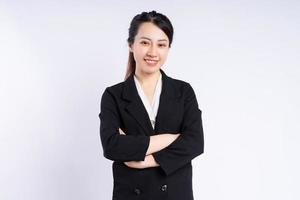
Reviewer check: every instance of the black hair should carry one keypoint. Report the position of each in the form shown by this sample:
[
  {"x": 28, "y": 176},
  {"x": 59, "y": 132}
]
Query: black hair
[{"x": 158, "y": 19}]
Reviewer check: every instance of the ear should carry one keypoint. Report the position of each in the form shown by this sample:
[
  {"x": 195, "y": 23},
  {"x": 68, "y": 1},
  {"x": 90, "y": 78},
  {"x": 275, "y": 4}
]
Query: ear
[{"x": 130, "y": 47}]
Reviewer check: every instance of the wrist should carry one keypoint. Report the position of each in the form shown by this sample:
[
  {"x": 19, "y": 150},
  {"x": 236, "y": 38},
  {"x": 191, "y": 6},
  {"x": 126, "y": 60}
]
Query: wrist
[{"x": 150, "y": 161}]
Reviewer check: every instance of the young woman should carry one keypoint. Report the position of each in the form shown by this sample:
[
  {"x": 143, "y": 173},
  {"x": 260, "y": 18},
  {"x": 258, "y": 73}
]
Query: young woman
[{"x": 150, "y": 124}]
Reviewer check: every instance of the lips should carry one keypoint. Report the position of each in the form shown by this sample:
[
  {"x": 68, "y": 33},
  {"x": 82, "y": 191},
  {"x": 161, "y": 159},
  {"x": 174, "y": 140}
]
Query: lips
[{"x": 151, "y": 62}]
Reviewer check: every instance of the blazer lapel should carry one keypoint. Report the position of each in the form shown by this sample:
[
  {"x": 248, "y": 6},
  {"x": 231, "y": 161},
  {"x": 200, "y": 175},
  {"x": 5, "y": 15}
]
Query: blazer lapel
[{"x": 137, "y": 109}]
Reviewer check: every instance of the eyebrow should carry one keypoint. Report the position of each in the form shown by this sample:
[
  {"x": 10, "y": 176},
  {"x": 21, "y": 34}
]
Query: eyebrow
[{"x": 150, "y": 39}]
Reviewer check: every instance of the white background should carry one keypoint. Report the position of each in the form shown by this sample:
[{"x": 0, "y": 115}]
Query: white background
[{"x": 241, "y": 58}]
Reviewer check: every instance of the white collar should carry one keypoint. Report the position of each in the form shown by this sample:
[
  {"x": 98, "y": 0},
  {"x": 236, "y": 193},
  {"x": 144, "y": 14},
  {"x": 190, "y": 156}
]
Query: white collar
[{"x": 153, "y": 108}]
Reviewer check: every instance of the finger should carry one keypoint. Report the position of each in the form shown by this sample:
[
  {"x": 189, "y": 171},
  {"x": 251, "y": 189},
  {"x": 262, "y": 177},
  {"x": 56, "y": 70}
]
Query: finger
[{"x": 121, "y": 132}]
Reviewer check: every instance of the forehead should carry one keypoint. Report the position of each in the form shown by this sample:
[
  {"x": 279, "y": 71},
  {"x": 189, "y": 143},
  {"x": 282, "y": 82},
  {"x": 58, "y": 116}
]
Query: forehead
[{"x": 148, "y": 30}]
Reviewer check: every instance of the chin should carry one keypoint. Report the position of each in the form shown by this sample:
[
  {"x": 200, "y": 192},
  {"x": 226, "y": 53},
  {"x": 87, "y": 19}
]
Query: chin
[{"x": 151, "y": 71}]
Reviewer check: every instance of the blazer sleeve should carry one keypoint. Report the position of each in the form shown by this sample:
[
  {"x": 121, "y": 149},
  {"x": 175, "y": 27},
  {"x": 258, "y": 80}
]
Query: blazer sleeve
[
  {"x": 191, "y": 141},
  {"x": 117, "y": 147}
]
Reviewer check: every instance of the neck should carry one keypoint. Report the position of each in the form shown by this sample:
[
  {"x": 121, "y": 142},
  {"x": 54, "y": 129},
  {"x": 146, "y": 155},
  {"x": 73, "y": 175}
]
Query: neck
[{"x": 147, "y": 79}]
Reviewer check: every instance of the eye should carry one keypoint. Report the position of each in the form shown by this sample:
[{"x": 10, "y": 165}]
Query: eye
[
  {"x": 144, "y": 43},
  {"x": 162, "y": 45}
]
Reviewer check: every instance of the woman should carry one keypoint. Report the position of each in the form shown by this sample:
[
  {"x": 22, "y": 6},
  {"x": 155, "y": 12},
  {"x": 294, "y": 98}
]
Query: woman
[{"x": 150, "y": 124}]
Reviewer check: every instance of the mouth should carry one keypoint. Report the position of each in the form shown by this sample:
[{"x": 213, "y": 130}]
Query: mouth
[{"x": 151, "y": 62}]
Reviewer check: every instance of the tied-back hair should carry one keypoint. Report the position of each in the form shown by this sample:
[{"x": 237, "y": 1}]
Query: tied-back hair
[{"x": 158, "y": 19}]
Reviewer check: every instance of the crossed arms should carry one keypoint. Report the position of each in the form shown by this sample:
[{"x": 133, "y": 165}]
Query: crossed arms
[
  {"x": 168, "y": 151},
  {"x": 156, "y": 143}
]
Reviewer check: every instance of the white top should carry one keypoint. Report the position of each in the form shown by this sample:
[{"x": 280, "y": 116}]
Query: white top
[{"x": 153, "y": 108}]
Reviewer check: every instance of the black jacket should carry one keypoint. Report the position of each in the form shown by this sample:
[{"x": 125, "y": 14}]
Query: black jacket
[{"x": 178, "y": 112}]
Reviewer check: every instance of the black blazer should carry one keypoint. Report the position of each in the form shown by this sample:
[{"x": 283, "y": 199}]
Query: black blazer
[{"x": 178, "y": 112}]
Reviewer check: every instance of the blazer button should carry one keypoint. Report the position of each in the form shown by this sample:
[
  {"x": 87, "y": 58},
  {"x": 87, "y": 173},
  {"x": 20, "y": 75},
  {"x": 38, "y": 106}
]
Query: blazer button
[
  {"x": 164, "y": 188},
  {"x": 137, "y": 191}
]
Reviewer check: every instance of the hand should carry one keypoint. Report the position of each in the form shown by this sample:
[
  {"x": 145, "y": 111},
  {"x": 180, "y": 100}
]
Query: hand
[
  {"x": 121, "y": 132},
  {"x": 176, "y": 135},
  {"x": 148, "y": 162},
  {"x": 135, "y": 164},
  {"x": 173, "y": 136}
]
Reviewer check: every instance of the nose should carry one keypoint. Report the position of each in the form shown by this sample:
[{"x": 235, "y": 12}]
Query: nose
[{"x": 152, "y": 51}]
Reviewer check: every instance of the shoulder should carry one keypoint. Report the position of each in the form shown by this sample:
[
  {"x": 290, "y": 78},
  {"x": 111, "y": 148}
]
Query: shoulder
[
  {"x": 115, "y": 88},
  {"x": 186, "y": 91},
  {"x": 112, "y": 92},
  {"x": 183, "y": 86},
  {"x": 179, "y": 82}
]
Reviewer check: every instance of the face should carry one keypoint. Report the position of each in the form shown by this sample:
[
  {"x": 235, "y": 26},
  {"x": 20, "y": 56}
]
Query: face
[{"x": 150, "y": 48}]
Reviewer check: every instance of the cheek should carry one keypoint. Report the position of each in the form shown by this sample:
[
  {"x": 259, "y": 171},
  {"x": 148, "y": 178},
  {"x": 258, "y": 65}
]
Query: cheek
[
  {"x": 137, "y": 55},
  {"x": 140, "y": 53},
  {"x": 164, "y": 54}
]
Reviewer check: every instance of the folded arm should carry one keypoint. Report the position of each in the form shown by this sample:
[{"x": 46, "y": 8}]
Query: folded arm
[
  {"x": 183, "y": 149},
  {"x": 191, "y": 141},
  {"x": 130, "y": 147},
  {"x": 115, "y": 146},
  {"x": 157, "y": 143}
]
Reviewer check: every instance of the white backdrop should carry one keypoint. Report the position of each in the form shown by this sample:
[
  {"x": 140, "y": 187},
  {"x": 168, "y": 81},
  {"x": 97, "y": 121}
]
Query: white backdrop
[{"x": 57, "y": 57}]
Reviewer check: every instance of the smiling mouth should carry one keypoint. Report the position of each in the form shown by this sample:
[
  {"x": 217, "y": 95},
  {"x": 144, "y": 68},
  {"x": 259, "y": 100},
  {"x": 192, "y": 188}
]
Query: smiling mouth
[{"x": 152, "y": 62}]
